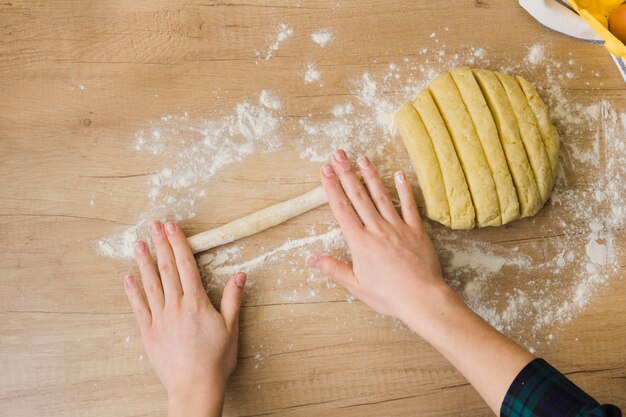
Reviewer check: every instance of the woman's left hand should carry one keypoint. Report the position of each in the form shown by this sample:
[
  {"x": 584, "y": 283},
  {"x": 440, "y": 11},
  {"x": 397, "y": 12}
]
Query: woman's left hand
[{"x": 191, "y": 345}]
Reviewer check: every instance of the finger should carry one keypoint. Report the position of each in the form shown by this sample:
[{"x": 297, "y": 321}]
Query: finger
[
  {"x": 166, "y": 263},
  {"x": 409, "y": 208},
  {"x": 335, "y": 270},
  {"x": 231, "y": 300},
  {"x": 149, "y": 276},
  {"x": 339, "y": 204},
  {"x": 137, "y": 303},
  {"x": 377, "y": 190},
  {"x": 354, "y": 189},
  {"x": 185, "y": 261}
]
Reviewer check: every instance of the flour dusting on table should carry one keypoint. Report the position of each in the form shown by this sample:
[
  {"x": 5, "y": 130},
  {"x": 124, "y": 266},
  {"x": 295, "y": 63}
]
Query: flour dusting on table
[
  {"x": 530, "y": 298},
  {"x": 195, "y": 150},
  {"x": 285, "y": 32}
]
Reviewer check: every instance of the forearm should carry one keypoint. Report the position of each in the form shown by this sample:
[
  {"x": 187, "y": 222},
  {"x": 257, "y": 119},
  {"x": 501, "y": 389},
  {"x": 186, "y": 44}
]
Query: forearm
[
  {"x": 489, "y": 360},
  {"x": 197, "y": 403}
]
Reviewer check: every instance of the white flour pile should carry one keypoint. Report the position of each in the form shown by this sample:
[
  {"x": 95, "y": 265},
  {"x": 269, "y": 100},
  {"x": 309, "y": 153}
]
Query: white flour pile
[
  {"x": 311, "y": 75},
  {"x": 322, "y": 37},
  {"x": 526, "y": 297},
  {"x": 535, "y": 54}
]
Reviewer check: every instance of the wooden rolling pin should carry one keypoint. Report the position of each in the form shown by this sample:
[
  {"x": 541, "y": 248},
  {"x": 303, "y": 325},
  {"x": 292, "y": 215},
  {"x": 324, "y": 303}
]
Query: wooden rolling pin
[{"x": 257, "y": 222}]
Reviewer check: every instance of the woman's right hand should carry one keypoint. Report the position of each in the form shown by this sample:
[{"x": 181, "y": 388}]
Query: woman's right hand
[
  {"x": 396, "y": 272},
  {"x": 395, "y": 267}
]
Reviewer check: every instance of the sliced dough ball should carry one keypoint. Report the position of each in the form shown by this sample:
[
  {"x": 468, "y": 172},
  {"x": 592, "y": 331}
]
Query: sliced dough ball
[
  {"x": 483, "y": 146},
  {"x": 424, "y": 159},
  {"x": 469, "y": 150},
  {"x": 490, "y": 141},
  {"x": 459, "y": 199},
  {"x": 548, "y": 131},
  {"x": 529, "y": 132},
  {"x": 502, "y": 112}
]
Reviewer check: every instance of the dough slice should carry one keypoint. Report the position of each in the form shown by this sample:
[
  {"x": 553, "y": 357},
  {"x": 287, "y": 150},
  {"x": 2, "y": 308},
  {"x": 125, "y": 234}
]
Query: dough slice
[
  {"x": 425, "y": 161},
  {"x": 459, "y": 198},
  {"x": 490, "y": 141},
  {"x": 469, "y": 150},
  {"x": 533, "y": 143},
  {"x": 522, "y": 174},
  {"x": 548, "y": 132}
]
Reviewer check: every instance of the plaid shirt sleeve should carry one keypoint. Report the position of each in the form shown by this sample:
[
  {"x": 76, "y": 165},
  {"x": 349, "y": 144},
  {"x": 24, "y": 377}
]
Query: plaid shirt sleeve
[{"x": 541, "y": 390}]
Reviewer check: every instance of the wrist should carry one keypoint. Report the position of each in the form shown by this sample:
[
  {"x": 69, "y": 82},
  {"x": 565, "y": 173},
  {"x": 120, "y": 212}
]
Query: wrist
[
  {"x": 205, "y": 400},
  {"x": 436, "y": 305}
]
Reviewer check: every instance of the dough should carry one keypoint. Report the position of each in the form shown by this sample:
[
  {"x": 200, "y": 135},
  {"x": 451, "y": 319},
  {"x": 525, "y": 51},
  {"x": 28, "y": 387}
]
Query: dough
[
  {"x": 422, "y": 153},
  {"x": 502, "y": 112},
  {"x": 488, "y": 135},
  {"x": 459, "y": 199},
  {"x": 469, "y": 150},
  {"x": 258, "y": 221},
  {"x": 533, "y": 143},
  {"x": 548, "y": 132},
  {"x": 483, "y": 147}
]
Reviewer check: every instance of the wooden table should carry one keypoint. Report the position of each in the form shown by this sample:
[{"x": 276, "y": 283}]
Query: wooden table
[{"x": 79, "y": 78}]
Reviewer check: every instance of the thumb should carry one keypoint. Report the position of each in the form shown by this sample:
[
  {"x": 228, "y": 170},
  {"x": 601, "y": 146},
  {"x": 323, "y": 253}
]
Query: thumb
[
  {"x": 231, "y": 299},
  {"x": 335, "y": 269}
]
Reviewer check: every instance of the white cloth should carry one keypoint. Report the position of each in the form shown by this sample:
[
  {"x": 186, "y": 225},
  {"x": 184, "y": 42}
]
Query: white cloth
[{"x": 558, "y": 16}]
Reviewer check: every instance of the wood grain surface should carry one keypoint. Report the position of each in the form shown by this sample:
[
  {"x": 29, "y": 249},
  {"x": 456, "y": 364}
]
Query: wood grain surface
[{"x": 68, "y": 342}]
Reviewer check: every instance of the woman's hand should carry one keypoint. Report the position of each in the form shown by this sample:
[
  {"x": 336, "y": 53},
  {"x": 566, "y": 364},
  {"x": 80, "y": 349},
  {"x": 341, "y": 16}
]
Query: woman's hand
[
  {"x": 396, "y": 272},
  {"x": 191, "y": 346},
  {"x": 394, "y": 262}
]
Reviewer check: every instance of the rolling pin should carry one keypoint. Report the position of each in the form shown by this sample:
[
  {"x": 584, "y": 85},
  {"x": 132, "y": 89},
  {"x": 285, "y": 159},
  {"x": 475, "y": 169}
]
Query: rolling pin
[{"x": 257, "y": 222}]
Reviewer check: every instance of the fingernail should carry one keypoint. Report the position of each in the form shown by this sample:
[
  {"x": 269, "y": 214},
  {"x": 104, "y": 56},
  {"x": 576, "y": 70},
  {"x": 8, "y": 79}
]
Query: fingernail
[
  {"x": 312, "y": 259},
  {"x": 129, "y": 281},
  {"x": 240, "y": 279},
  {"x": 140, "y": 247},
  {"x": 170, "y": 228},
  {"x": 400, "y": 177},
  {"x": 363, "y": 162},
  {"x": 340, "y": 155},
  {"x": 155, "y": 226},
  {"x": 328, "y": 171}
]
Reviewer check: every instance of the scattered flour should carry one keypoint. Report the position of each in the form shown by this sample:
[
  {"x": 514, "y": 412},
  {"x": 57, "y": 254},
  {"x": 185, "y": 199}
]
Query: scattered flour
[
  {"x": 479, "y": 53},
  {"x": 269, "y": 101},
  {"x": 361, "y": 127},
  {"x": 322, "y": 37},
  {"x": 289, "y": 245},
  {"x": 597, "y": 252},
  {"x": 342, "y": 110},
  {"x": 311, "y": 74},
  {"x": 529, "y": 298},
  {"x": 369, "y": 95},
  {"x": 194, "y": 150},
  {"x": 219, "y": 265},
  {"x": 535, "y": 54},
  {"x": 284, "y": 32}
]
